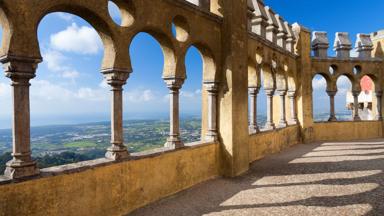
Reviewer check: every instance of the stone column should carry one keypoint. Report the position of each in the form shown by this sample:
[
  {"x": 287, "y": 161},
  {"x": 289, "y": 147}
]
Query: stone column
[
  {"x": 21, "y": 71},
  {"x": 356, "y": 116},
  {"x": 292, "y": 99},
  {"x": 269, "y": 124},
  {"x": 253, "y": 92},
  {"x": 331, "y": 95},
  {"x": 212, "y": 89},
  {"x": 174, "y": 85},
  {"x": 283, "y": 120},
  {"x": 379, "y": 95},
  {"x": 116, "y": 78}
]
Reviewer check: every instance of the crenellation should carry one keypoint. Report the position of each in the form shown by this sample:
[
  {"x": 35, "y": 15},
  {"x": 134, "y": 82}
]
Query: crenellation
[
  {"x": 364, "y": 46},
  {"x": 272, "y": 27},
  {"x": 259, "y": 19},
  {"x": 342, "y": 45},
  {"x": 282, "y": 33},
  {"x": 291, "y": 40},
  {"x": 320, "y": 44}
]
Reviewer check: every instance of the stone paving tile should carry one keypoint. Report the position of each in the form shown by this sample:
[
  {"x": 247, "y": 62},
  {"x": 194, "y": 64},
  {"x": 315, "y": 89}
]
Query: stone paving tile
[{"x": 314, "y": 179}]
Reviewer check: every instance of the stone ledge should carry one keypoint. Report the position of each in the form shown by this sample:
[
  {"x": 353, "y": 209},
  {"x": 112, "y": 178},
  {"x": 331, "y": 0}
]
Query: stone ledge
[{"x": 92, "y": 164}]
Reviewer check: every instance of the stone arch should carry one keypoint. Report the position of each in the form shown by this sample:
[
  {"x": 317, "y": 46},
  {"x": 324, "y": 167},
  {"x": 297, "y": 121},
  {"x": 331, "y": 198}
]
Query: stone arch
[
  {"x": 209, "y": 62},
  {"x": 268, "y": 76},
  {"x": 330, "y": 84},
  {"x": 170, "y": 65},
  {"x": 6, "y": 32},
  {"x": 355, "y": 85},
  {"x": 99, "y": 23},
  {"x": 254, "y": 79}
]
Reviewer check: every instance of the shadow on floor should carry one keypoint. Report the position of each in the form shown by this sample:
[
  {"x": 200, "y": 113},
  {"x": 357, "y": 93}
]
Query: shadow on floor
[{"x": 316, "y": 179}]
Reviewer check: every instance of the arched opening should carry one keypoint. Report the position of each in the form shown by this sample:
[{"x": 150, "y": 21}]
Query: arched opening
[
  {"x": 320, "y": 99},
  {"x": 262, "y": 103},
  {"x": 357, "y": 70},
  {"x": 146, "y": 97},
  {"x": 121, "y": 12},
  {"x": 343, "y": 107},
  {"x": 180, "y": 28},
  {"x": 69, "y": 99},
  {"x": 5, "y": 116},
  {"x": 191, "y": 97},
  {"x": 367, "y": 100},
  {"x": 332, "y": 69}
]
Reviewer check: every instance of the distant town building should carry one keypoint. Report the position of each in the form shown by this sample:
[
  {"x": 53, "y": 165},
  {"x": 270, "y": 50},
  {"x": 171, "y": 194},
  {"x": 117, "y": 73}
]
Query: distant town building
[{"x": 365, "y": 99}]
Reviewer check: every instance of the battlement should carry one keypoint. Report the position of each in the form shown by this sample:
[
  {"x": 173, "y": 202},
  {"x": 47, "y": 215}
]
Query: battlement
[{"x": 342, "y": 45}]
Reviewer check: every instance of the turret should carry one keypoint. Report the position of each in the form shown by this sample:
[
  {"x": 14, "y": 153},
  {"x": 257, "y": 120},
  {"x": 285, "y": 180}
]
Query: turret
[
  {"x": 272, "y": 27},
  {"x": 364, "y": 46}
]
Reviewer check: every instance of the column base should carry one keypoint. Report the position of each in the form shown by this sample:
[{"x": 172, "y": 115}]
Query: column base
[
  {"x": 117, "y": 153},
  {"x": 270, "y": 126},
  {"x": 254, "y": 129},
  {"x": 379, "y": 118},
  {"x": 356, "y": 118},
  {"x": 17, "y": 169},
  {"x": 211, "y": 137},
  {"x": 332, "y": 119},
  {"x": 283, "y": 124},
  {"x": 174, "y": 143},
  {"x": 293, "y": 122}
]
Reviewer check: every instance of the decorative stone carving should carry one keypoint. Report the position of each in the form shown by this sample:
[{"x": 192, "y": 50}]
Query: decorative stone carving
[
  {"x": 342, "y": 45},
  {"x": 364, "y": 46},
  {"x": 320, "y": 44}
]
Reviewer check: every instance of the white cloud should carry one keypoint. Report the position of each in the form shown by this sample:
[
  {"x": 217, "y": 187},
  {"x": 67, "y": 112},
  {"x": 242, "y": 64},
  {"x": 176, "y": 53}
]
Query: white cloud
[
  {"x": 80, "y": 40},
  {"x": 191, "y": 94},
  {"x": 5, "y": 90},
  {"x": 57, "y": 62},
  {"x": 343, "y": 85},
  {"x": 319, "y": 83},
  {"x": 72, "y": 74},
  {"x": 140, "y": 96},
  {"x": 65, "y": 16}
]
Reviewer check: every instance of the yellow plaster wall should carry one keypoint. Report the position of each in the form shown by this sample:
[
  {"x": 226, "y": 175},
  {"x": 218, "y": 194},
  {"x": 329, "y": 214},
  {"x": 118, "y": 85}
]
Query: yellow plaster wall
[
  {"x": 112, "y": 189},
  {"x": 270, "y": 142},
  {"x": 345, "y": 131}
]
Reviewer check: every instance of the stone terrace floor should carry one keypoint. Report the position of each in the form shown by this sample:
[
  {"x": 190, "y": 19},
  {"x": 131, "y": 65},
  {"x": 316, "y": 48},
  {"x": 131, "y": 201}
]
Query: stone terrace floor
[{"x": 343, "y": 178}]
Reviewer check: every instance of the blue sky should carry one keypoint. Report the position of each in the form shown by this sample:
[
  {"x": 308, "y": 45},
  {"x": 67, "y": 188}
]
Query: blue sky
[{"x": 69, "y": 87}]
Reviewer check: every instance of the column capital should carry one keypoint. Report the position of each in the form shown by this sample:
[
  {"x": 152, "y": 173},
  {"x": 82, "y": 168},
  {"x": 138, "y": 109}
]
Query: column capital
[
  {"x": 253, "y": 90},
  {"x": 174, "y": 83},
  {"x": 116, "y": 77},
  {"x": 269, "y": 91},
  {"x": 282, "y": 92},
  {"x": 211, "y": 86},
  {"x": 19, "y": 67},
  {"x": 291, "y": 93},
  {"x": 331, "y": 93}
]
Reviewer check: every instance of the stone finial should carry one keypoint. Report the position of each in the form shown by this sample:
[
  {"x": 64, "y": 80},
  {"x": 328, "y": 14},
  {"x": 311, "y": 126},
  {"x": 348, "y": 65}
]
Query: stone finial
[
  {"x": 272, "y": 27},
  {"x": 364, "y": 46},
  {"x": 259, "y": 19},
  {"x": 291, "y": 40},
  {"x": 282, "y": 32},
  {"x": 342, "y": 45},
  {"x": 320, "y": 44}
]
